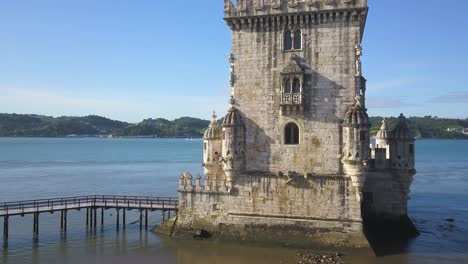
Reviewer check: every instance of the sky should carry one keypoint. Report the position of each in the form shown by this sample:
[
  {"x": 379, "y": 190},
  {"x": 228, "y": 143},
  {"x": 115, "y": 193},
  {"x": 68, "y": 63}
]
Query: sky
[{"x": 135, "y": 59}]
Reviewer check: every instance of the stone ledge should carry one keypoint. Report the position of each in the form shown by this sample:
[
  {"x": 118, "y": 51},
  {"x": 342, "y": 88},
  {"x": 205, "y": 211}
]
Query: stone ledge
[{"x": 291, "y": 217}]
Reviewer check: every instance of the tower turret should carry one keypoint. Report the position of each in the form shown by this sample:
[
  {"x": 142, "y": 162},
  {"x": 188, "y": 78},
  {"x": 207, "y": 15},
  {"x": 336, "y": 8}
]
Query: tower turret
[
  {"x": 212, "y": 151},
  {"x": 233, "y": 144},
  {"x": 382, "y": 139},
  {"x": 402, "y": 146},
  {"x": 356, "y": 141}
]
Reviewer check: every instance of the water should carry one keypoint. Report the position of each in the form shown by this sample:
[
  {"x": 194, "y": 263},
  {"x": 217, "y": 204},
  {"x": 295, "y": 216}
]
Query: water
[{"x": 44, "y": 168}]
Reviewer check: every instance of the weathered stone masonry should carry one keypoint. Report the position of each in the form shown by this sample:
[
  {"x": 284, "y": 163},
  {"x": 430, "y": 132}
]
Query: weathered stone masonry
[{"x": 291, "y": 161}]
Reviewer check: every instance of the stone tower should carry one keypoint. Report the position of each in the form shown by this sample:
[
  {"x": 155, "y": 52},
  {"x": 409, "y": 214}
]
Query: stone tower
[{"x": 295, "y": 145}]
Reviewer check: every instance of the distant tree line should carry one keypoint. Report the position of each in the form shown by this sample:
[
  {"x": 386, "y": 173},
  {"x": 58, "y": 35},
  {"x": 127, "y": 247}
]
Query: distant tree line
[
  {"x": 427, "y": 127},
  {"x": 15, "y": 125}
]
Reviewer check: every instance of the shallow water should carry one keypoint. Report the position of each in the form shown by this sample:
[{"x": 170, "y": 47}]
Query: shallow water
[{"x": 44, "y": 168}]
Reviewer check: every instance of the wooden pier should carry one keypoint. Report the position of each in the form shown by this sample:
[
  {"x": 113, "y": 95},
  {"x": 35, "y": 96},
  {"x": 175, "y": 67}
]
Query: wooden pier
[{"x": 92, "y": 204}]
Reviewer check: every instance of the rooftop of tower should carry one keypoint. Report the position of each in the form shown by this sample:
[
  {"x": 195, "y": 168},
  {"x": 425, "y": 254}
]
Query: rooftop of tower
[{"x": 251, "y": 8}]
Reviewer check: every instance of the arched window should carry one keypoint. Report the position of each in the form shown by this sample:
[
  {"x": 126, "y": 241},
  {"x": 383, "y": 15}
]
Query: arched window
[
  {"x": 291, "y": 134},
  {"x": 297, "y": 39},
  {"x": 296, "y": 86},
  {"x": 288, "y": 45},
  {"x": 287, "y": 87}
]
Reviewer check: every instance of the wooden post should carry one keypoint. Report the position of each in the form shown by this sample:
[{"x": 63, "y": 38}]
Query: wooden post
[
  {"x": 164, "y": 215},
  {"x": 102, "y": 217},
  {"x": 91, "y": 218},
  {"x": 146, "y": 219},
  {"x": 36, "y": 226},
  {"x": 141, "y": 219},
  {"x": 95, "y": 218},
  {"x": 5, "y": 229},
  {"x": 118, "y": 218},
  {"x": 65, "y": 220},
  {"x": 124, "y": 219},
  {"x": 61, "y": 220},
  {"x": 87, "y": 217}
]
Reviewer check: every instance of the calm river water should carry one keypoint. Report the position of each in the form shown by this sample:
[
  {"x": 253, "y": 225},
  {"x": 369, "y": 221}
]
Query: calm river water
[{"x": 45, "y": 168}]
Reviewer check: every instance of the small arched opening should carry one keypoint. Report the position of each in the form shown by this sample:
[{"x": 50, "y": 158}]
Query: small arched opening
[{"x": 291, "y": 134}]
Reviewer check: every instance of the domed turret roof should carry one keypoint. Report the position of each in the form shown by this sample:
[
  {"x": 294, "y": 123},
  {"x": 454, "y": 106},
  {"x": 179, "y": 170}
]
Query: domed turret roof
[
  {"x": 383, "y": 133},
  {"x": 402, "y": 131},
  {"x": 233, "y": 117},
  {"x": 214, "y": 130},
  {"x": 357, "y": 115}
]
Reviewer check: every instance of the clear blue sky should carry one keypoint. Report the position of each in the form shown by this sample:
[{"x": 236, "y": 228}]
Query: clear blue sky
[{"x": 133, "y": 59}]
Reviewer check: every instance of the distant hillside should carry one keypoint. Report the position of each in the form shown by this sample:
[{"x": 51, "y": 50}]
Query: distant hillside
[
  {"x": 182, "y": 127},
  {"x": 428, "y": 127},
  {"x": 46, "y": 126},
  {"x": 14, "y": 125}
]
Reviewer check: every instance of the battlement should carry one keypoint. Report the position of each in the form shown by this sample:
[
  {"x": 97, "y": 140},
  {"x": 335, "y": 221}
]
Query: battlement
[
  {"x": 210, "y": 186},
  {"x": 249, "y": 8}
]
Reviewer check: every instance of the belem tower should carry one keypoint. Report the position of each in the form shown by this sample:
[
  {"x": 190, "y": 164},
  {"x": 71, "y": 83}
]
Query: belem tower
[{"x": 292, "y": 161}]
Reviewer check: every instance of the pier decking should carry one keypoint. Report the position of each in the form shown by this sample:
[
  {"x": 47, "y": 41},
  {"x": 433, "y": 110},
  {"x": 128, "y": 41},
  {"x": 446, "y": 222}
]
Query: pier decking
[{"x": 91, "y": 204}]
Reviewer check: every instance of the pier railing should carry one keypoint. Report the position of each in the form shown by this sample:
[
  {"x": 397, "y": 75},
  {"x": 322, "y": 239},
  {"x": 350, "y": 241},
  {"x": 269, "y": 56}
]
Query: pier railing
[
  {"x": 77, "y": 202},
  {"x": 91, "y": 203}
]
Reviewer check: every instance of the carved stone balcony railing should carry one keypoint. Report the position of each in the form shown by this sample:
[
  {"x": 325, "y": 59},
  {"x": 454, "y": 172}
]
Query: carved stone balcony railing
[
  {"x": 292, "y": 103},
  {"x": 291, "y": 99}
]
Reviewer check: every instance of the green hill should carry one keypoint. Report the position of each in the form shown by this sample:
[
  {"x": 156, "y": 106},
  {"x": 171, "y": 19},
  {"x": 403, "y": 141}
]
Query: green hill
[
  {"x": 428, "y": 126},
  {"x": 14, "y": 125}
]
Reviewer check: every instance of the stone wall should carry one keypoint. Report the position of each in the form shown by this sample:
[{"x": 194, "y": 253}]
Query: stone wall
[
  {"x": 321, "y": 210},
  {"x": 386, "y": 193},
  {"x": 329, "y": 90}
]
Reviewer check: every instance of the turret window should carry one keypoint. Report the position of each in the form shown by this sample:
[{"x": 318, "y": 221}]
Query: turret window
[
  {"x": 292, "y": 40},
  {"x": 291, "y": 134}
]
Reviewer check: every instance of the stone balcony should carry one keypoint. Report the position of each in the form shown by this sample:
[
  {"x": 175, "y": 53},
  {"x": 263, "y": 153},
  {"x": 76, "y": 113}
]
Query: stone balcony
[{"x": 292, "y": 103}]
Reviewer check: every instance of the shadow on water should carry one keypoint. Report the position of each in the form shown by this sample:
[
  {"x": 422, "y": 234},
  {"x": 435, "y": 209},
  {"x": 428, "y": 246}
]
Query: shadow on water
[
  {"x": 438, "y": 225},
  {"x": 389, "y": 237}
]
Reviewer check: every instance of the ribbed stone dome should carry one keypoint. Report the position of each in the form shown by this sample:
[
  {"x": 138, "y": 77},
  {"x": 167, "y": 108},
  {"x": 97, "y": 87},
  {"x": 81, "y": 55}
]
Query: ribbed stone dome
[
  {"x": 357, "y": 115},
  {"x": 233, "y": 118},
  {"x": 292, "y": 68},
  {"x": 383, "y": 133},
  {"x": 401, "y": 130},
  {"x": 214, "y": 130}
]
